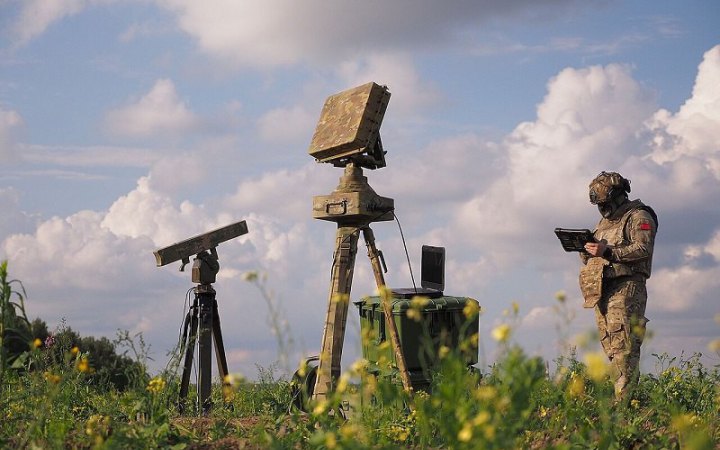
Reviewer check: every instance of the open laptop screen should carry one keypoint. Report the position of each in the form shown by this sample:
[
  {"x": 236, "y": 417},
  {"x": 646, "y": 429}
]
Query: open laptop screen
[{"x": 433, "y": 268}]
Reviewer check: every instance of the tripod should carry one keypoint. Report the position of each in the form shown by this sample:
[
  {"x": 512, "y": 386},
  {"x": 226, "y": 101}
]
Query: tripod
[
  {"x": 202, "y": 325},
  {"x": 353, "y": 205}
]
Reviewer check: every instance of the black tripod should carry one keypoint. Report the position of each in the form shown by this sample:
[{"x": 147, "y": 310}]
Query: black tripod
[{"x": 202, "y": 325}]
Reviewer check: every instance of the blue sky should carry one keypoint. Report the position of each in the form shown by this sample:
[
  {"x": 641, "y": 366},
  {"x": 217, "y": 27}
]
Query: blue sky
[{"x": 129, "y": 125}]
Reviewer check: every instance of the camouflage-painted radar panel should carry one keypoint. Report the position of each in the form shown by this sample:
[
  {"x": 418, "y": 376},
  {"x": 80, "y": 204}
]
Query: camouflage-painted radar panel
[{"x": 349, "y": 123}]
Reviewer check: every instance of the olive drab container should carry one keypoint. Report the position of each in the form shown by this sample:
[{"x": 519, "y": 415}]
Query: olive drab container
[{"x": 440, "y": 322}]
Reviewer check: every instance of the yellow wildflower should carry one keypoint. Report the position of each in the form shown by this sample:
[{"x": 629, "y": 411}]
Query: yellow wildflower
[
  {"x": 683, "y": 422},
  {"x": 576, "y": 388},
  {"x": 156, "y": 385},
  {"x": 302, "y": 368},
  {"x": 52, "y": 378},
  {"x": 37, "y": 343},
  {"x": 359, "y": 366},
  {"x": 414, "y": 314},
  {"x": 400, "y": 433},
  {"x": 638, "y": 331},
  {"x": 83, "y": 365},
  {"x": 473, "y": 340},
  {"x": 501, "y": 333},
  {"x": 597, "y": 369},
  {"x": 98, "y": 426},
  {"x": 443, "y": 351},
  {"x": 74, "y": 351},
  {"x": 543, "y": 412},
  {"x": 385, "y": 292},
  {"x": 560, "y": 296},
  {"x": 471, "y": 309},
  {"x": 419, "y": 302},
  {"x": 342, "y": 383},
  {"x": 349, "y": 430},
  {"x": 635, "y": 403},
  {"x": 466, "y": 433},
  {"x": 515, "y": 308},
  {"x": 368, "y": 335},
  {"x": 330, "y": 440},
  {"x": 484, "y": 393},
  {"x": 370, "y": 385},
  {"x": 714, "y": 346},
  {"x": 489, "y": 432},
  {"x": 321, "y": 407},
  {"x": 482, "y": 418}
]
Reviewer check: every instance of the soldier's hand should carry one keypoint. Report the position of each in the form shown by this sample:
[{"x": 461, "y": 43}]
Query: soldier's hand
[{"x": 595, "y": 248}]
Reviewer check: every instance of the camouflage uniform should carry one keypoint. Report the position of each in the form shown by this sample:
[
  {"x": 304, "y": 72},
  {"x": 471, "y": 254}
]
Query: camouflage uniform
[{"x": 614, "y": 284}]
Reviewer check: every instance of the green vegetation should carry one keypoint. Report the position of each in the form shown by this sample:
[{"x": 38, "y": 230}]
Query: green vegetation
[{"x": 55, "y": 399}]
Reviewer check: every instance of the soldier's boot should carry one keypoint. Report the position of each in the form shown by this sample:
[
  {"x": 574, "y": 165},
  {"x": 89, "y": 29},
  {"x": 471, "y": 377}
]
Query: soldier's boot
[{"x": 627, "y": 370}]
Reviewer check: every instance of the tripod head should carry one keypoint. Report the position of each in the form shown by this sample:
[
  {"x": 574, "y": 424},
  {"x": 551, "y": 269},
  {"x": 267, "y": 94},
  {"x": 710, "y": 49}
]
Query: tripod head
[{"x": 205, "y": 267}]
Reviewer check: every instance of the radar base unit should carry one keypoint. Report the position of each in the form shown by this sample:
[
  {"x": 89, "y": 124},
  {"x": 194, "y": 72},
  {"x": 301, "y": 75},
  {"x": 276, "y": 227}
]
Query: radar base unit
[{"x": 353, "y": 201}]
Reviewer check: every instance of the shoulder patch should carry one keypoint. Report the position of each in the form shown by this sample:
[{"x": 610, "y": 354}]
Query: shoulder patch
[{"x": 645, "y": 226}]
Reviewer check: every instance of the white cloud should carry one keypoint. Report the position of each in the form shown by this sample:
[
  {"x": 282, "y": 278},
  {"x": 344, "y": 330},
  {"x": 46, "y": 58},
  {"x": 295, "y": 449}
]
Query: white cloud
[
  {"x": 96, "y": 269},
  {"x": 397, "y": 70},
  {"x": 587, "y": 122},
  {"x": 286, "y": 125},
  {"x": 92, "y": 156},
  {"x": 158, "y": 111},
  {"x": 689, "y": 290},
  {"x": 693, "y": 131},
  {"x": 37, "y": 15},
  {"x": 75, "y": 252},
  {"x": 12, "y": 219},
  {"x": 171, "y": 173},
  {"x": 144, "y": 212},
  {"x": 284, "y": 194},
  {"x": 10, "y": 123},
  {"x": 283, "y": 32}
]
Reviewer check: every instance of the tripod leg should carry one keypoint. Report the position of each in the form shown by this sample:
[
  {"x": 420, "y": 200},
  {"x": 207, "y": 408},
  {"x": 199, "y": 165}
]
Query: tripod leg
[
  {"x": 336, "y": 319},
  {"x": 219, "y": 346},
  {"x": 385, "y": 298},
  {"x": 192, "y": 318},
  {"x": 207, "y": 297}
]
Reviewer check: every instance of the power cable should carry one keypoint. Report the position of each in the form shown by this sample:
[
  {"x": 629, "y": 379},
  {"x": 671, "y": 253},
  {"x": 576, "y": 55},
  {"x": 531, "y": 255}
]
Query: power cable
[{"x": 407, "y": 255}]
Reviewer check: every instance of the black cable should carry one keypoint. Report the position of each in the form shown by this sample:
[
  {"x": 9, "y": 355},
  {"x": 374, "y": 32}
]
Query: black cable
[
  {"x": 407, "y": 255},
  {"x": 180, "y": 346}
]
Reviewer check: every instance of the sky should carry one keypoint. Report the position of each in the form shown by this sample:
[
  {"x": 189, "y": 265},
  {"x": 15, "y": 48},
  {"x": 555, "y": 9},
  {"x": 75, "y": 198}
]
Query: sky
[{"x": 128, "y": 125}]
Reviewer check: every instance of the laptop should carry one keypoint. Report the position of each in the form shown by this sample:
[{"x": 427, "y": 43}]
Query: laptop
[{"x": 432, "y": 275}]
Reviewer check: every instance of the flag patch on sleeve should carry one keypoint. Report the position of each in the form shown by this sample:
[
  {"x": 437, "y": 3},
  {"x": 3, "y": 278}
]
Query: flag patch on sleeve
[{"x": 645, "y": 226}]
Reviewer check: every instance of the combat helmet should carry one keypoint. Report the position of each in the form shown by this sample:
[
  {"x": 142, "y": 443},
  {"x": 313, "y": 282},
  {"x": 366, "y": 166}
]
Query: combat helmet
[{"x": 608, "y": 191}]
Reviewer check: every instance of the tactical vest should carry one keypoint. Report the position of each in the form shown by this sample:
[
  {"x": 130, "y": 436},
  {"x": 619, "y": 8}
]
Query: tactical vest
[{"x": 615, "y": 232}]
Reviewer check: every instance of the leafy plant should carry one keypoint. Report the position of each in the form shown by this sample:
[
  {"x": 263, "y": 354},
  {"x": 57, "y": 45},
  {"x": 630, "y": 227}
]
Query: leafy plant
[{"x": 15, "y": 335}]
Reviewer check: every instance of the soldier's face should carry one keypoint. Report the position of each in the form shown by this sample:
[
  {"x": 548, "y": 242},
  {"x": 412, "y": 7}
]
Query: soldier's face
[{"x": 606, "y": 209}]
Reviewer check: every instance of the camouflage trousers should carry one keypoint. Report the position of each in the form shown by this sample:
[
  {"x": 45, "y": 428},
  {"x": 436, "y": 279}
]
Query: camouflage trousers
[{"x": 620, "y": 316}]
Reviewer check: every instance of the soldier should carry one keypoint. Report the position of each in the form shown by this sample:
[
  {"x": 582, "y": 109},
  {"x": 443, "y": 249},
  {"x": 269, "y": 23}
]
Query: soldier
[{"x": 615, "y": 268}]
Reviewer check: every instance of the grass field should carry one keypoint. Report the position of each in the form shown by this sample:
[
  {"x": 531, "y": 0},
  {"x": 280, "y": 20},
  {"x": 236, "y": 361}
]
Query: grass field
[{"x": 51, "y": 400}]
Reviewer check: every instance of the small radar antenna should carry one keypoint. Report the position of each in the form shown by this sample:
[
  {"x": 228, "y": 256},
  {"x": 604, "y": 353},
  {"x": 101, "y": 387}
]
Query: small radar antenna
[{"x": 202, "y": 322}]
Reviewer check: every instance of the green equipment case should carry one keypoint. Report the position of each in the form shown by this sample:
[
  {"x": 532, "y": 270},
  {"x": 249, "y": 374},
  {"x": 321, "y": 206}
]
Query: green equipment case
[{"x": 441, "y": 321}]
